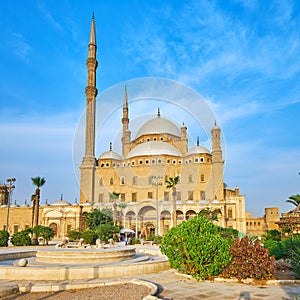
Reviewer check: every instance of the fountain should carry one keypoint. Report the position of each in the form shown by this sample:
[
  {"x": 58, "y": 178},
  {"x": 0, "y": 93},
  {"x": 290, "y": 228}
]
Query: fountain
[{"x": 71, "y": 263}]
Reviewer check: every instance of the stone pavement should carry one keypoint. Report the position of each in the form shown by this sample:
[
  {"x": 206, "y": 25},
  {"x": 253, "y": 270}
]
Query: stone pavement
[{"x": 173, "y": 287}]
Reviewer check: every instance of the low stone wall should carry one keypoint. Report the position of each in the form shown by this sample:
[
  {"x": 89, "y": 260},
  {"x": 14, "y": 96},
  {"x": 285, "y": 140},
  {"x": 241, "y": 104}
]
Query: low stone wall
[{"x": 17, "y": 255}]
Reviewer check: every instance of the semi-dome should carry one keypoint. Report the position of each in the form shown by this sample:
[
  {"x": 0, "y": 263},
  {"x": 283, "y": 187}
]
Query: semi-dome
[
  {"x": 157, "y": 126},
  {"x": 61, "y": 203},
  {"x": 110, "y": 155},
  {"x": 153, "y": 148},
  {"x": 198, "y": 150}
]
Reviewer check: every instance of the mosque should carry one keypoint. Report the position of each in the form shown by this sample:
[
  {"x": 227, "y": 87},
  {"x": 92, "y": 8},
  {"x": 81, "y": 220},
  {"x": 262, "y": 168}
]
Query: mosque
[{"x": 134, "y": 183}]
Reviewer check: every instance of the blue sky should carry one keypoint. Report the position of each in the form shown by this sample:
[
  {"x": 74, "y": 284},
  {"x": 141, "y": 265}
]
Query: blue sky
[{"x": 243, "y": 57}]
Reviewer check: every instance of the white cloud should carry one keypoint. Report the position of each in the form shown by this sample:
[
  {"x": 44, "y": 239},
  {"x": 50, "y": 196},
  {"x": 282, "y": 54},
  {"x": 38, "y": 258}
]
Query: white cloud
[{"x": 20, "y": 46}]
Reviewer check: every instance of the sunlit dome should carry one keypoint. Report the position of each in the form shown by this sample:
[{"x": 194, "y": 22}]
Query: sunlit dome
[
  {"x": 60, "y": 203},
  {"x": 110, "y": 155},
  {"x": 198, "y": 150},
  {"x": 158, "y": 126},
  {"x": 153, "y": 148}
]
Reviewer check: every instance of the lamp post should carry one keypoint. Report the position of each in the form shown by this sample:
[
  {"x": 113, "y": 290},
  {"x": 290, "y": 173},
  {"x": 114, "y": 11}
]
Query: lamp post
[
  {"x": 11, "y": 186},
  {"x": 156, "y": 181}
]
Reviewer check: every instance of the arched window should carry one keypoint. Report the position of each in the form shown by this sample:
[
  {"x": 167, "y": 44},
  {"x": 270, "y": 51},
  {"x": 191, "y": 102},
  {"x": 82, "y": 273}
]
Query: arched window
[
  {"x": 111, "y": 181},
  {"x": 122, "y": 180},
  {"x": 202, "y": 177}
]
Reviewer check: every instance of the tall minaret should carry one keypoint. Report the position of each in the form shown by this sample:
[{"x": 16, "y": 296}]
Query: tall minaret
[
  {"x": 87, "y": 167},
  {"x": 126, "y": 134},
  {"x": 217, "y": 164}
]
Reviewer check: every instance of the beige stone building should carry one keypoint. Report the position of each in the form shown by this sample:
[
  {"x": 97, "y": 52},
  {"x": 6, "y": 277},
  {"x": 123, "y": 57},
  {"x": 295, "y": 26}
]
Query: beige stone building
[
  {"x": 258, "y": 226},
  {"x": 159, "y": 151}
]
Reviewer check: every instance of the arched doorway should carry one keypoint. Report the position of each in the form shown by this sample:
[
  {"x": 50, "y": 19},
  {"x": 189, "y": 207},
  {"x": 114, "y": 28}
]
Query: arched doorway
[
  {"x": 190, "y": 214},
  {"x": 53, "y": 226},
  {"x": 179, "y": 216},
  {"x": 147, "y": 221},
  {"x": 130, "y": 220}
]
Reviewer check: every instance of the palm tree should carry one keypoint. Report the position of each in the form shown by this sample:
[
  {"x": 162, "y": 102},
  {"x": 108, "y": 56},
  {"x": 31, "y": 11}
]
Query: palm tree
[
  {"x": 114, "y": 196},
  {"x": 38, "y": 182},
  {"x": 295, "y": 200},
  {"x": 171, "y": 184}
]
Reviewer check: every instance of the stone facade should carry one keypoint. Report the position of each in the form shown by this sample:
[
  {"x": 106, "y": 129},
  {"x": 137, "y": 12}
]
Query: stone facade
[
  {"x": 258, "y": 226},
  {"x": 159, "y": 151}
]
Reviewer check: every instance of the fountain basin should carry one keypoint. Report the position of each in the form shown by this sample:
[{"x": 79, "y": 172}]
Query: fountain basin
[{"x": 85, "y": 256}]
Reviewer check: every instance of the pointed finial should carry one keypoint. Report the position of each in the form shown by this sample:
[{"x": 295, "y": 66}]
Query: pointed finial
[
  {"x": 158, "y": 113},
  {"x": 125, "y": 98},
  {"x": 46, "y": 202},
  {"x": 93, "y": 32},
  {"x": 76, "y": 200},
  {"x": 61, "y": 196},
  {"x": 25, "y": 202},
  {"x": 215, "y": 122},
  {"x": 198, "y": 143},
  {"x": 15, "y": 202},
  {"x": 93, "y": 16},
  {"x": 110, "y": 146},
  {"x": 182, "y": 123}
]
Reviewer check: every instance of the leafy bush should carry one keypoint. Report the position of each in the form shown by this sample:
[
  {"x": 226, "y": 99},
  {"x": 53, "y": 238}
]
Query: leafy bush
[
  {"x": 21, "y": 238},
  {"x": 4, "y": 236},
  {"x": 106, "y": 231},
  {"x": 195, "y": 247},
  {"x": 89, "y": 237},
  {"x": 228, "y": 233},
  {"x": 249, "y": 260},
  {"x": 134, "y": 241},
  {"x": 44, "y": 232},
  {"x": 295, "y": 260},
  {"x": 275, "y": 248},
  {"x": 74, "y": 235}
]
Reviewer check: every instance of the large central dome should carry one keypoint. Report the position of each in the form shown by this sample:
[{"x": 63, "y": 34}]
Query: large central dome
[{"x": 158, "y": 126}]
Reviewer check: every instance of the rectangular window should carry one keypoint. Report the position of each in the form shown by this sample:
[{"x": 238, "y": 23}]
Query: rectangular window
[
  {"x": 133, "y": 197},
  {"x": 16, "y": 228},
  {"x": 202, "y": 195},
  {"x": 190, "y": 195},
  {"x": 123, "y": 197},
  {"x": 229, "y": 213},
  {"x": 150, "y": 195},
  {"x": 100, "y": 198},
  {"x": 166, "y": 196}
]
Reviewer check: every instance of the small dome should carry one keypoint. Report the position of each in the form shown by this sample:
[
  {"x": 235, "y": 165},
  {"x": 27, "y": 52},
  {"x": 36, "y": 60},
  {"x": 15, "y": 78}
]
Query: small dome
[
  {"x": 110, "y": 155},
  {"x": 60, "y": 203},
  {"x": 158, "y": 126},
  {"x": 153, "y": 148},
  {"x": 198, "y": 150}
]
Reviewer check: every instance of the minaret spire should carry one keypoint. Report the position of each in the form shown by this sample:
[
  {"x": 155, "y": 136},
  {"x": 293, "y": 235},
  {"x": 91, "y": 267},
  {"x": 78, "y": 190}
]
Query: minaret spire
[
  {"x": 89, "y": 161},
  {"x": 126, "y": 134}
]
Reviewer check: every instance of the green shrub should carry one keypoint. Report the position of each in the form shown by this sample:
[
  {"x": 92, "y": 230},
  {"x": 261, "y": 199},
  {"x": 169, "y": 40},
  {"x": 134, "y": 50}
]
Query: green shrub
[
  {"x": 74, "y": 235},
  {"x": 249, "y": 260},
  {"x": 228, "y": 233},
  {"x": 295, "y": 260},
  {"x": 195, "y": 247},
  {"x": 134, "y": 241},
  {"x": 106, "y": 231},
  {"x": 275, "y": 248},
  {"x": 21, "y": 238},
  {"x": 89, "y": 237},
  {"x": 44, "y": 232},
  {"x": 4, "y": 236}
]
